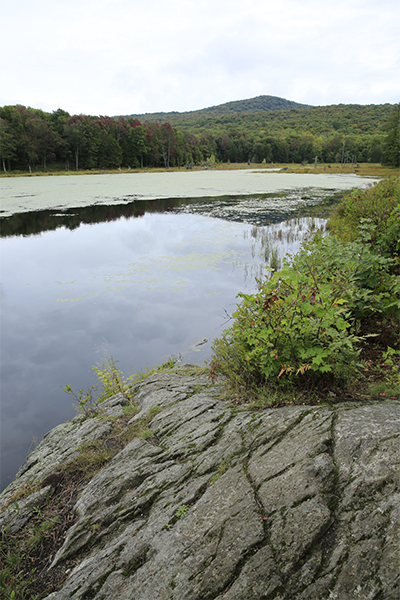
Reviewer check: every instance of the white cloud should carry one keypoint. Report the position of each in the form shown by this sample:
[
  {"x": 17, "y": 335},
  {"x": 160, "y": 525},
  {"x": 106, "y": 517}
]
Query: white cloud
[{"x": 119, "y": 57}]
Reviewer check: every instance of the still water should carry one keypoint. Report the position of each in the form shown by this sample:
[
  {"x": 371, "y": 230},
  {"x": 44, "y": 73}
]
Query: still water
[{"x": 141, "y": 279}]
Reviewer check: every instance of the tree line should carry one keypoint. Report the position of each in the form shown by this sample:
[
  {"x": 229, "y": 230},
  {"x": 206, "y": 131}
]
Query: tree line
[{"x": 32, "y": 139}]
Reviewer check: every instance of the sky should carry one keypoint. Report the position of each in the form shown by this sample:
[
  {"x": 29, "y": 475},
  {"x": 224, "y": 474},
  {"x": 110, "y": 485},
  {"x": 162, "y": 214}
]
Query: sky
[{"x": 121, "y": 57}]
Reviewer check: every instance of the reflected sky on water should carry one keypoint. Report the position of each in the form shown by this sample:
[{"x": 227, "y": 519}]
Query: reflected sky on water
[
  {"x": 142, "y": 285},
  {"x": 150, "y": 286}
]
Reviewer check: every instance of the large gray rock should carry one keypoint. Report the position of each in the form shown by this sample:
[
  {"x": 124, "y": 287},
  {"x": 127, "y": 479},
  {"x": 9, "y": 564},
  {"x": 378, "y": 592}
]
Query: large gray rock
[{"x": 295, "y": 503}]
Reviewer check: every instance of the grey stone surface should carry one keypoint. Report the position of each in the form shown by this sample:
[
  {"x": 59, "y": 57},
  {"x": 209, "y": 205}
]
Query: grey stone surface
[
  {"x": 18, "y": 513},
  {"x": 295, "y": 503}
]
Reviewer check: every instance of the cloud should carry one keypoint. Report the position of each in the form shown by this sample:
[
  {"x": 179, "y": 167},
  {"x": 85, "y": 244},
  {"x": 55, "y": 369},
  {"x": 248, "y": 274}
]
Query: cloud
[{"x": 121, "y": 57}]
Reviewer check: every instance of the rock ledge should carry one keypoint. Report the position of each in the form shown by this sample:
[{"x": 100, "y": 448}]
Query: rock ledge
[{"x": 295, "y": 503}]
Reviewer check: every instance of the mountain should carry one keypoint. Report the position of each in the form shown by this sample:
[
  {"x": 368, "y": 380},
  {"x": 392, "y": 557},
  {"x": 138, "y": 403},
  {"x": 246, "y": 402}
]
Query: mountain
[{"x": 237, "y": 107}]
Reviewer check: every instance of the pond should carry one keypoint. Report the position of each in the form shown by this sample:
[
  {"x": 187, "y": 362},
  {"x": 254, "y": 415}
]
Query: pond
[{"x": 141, "y": 279}]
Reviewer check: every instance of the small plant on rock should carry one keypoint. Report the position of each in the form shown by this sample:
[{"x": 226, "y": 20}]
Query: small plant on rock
[
  {"x": 113, "y": 382},
  {"x": 111, "y": 377},
  {"x": 88, "y": 404},
  {"x": 181, "y": 511}
]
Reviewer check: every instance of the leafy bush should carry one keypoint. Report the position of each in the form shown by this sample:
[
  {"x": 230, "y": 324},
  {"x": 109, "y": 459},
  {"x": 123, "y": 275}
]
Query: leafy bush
[
  {"x": 380, "y": 205},
  {"x": 295, "y": 330},
  {"x": 300, "y": 328},
  {"x": 370, "y": 222},
  {"x": 375, "y": 285}
]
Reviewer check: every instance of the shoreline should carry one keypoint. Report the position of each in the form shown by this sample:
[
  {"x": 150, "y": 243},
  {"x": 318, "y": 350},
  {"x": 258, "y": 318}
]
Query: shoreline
[{"x": 363, "y": 169}]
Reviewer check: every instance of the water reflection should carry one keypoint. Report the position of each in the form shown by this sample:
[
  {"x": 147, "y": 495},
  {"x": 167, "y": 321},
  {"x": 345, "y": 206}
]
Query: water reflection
[
  {"x": 261, "y": 209},
  {"x": 273, "y": 243},
  {"x": 151, "y": 286},
  {"x": 150, "y": 283},
  {"x": 34, "y": 222}
]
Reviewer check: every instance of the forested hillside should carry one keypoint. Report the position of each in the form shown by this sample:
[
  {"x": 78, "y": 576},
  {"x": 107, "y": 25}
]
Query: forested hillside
[
  {"x": 31, "y": 139},
  {"x": 317, "y": 120},
  {"x": 251, "y": 105}
]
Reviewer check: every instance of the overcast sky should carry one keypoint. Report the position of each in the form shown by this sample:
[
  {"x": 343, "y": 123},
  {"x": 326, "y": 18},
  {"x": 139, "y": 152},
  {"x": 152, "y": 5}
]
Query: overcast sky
[{"x": 111, "y": 57}]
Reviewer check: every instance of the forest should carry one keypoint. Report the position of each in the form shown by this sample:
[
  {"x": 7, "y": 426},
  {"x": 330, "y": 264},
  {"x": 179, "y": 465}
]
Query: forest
[
  {"x": 248, "y": 131},
  {"x": 251, "y": 105}
]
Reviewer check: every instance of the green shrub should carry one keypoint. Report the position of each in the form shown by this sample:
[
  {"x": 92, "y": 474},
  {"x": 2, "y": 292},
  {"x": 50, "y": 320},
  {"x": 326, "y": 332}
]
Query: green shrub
[
  {"x": 381, "y": 206},
  {"x": 375, "y": 284},
  {"x": 300, "y": 328},
  {"x": 294, "y": 331}
]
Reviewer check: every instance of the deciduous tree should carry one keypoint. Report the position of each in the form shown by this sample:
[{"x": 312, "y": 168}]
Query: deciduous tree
[{"x": 392, "y": 143}]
